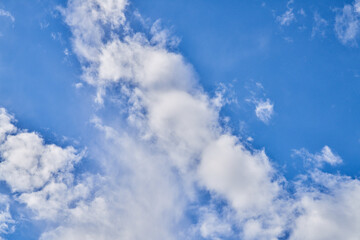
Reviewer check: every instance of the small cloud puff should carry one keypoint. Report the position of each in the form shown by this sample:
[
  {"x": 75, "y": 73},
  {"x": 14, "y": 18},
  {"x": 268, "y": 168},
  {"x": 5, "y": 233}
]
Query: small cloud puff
[
  {"x": 288, "y": 17},
  {"x": 264, "y": 110}
]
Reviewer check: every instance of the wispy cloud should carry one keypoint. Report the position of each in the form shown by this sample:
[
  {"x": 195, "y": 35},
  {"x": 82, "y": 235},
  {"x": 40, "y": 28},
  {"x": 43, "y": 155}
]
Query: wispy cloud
[
  {"x": 325, "y": 156},
  {"x": 264, "y": 107},
  {"x": 319, "y": 25},
  {"x": 7, "y": 14},
  {"x": 347, "y": 23},
  {"x": 7, "y": 223},
  {"x": 288, "y": 17},
  {"x": 302, "y": 12}
]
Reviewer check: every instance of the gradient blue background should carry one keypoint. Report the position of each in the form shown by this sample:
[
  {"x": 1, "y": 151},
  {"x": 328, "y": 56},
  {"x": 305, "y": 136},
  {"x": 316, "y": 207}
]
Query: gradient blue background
[{"x": 314, "y": 82}]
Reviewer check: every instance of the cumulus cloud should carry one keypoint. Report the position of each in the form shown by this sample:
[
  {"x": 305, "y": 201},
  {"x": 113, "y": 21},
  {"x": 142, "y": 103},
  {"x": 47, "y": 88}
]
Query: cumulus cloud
[
  {"x": 264, "y": 110},
  {"x": 244, "y": 178},
  {"x": 330, "y": 211},
  {"x": 180, "y": 145},
  {"x": 169, "y": 111},
  {"x": 28, "y": 164},
  {"x": 347, "y": 23},
  {"x": 7, "y": 14},
  {"x": 39, "y": 175}
]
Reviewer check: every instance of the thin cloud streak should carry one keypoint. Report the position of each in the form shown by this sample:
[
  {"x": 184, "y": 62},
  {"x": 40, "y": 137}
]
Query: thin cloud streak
[{"x": 7, "y": 14}]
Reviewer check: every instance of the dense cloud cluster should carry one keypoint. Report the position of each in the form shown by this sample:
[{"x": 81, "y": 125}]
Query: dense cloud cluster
[{"x": 39, "y": 175}]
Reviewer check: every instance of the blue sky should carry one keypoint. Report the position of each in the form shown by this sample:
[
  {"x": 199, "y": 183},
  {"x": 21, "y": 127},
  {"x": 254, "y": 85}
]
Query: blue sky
[
  {"x": 206, "y": 119},
  {"x": 313, "y": 81}
]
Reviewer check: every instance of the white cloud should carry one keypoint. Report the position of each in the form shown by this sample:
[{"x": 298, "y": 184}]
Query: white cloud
[
  {"x": 264, "y": 110},
  {"x": 139, "y": 197},
  {"x": 347, "y": 23},
  {"x": 319, "y": 25},
  {"x": 288, "y": 17},
  {"x": 169, "y": 112},
  {"x": 7, "y": 14},
  {"x": 54, "y": 200},
  {"x": 212, "y": 225},
  {"x": 88, "y": 32},
  {"x": 170, "y": 147},
  {"x": 330, "y": 213},
  {"x": 28, "y": 164},
  {"x": 247, "y": 181},
  {"x": 244, "y": 178},
  {"x": 162, "y": 37},
  {"x": 6, "y": 220},
  {"x": 325, "y": 156},
  {"x": 6, "y": 126},
  {"x": 38, "y": 174}
]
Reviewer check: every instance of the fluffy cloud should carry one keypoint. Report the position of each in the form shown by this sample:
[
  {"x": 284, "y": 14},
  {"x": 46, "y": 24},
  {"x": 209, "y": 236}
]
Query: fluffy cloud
[
  {"x": 244, "y": 178},
  {"x": 247, "y": 180},
  {"x": 38, "y": 174},
  {"x": 6, "y": 125},
  {"x": 264, "y": 110},
  {"x": 213, "y": 225},
  {"x": 28, "y": 163},
  {"x": 169, "y": 112},
  {"x": 54, "y": 200},
  {"x": 329, "y": 213}
]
